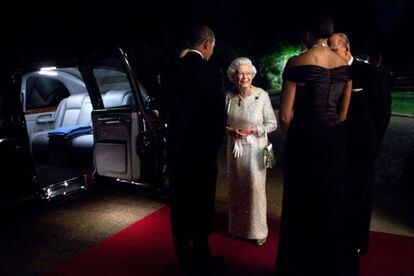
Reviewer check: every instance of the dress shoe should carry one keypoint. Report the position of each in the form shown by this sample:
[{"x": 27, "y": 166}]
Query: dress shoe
[
  {"x": 260, "y": 242},
  {"x": 361, "y": 252}
]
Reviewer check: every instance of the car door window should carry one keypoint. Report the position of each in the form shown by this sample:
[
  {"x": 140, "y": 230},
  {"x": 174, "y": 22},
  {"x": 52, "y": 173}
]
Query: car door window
[{"x": 114, "y": 87}]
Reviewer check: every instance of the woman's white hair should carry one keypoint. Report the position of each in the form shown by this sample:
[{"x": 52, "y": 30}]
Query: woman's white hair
[{"x": 234, "y": 65}]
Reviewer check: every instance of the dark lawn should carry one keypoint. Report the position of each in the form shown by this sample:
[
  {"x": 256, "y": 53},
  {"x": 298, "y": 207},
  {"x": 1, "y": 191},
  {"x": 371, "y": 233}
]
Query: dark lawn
[{"x": 403, "y": 102}]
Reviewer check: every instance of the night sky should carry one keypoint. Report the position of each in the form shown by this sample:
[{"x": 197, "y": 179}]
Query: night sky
[{"x": 256, "y": 26}]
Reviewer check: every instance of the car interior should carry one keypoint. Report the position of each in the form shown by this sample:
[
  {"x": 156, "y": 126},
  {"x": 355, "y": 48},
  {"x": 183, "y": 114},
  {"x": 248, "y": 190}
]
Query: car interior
[
  {"x": 58, "y": 113},
  {"x": 88, "y": 122}
]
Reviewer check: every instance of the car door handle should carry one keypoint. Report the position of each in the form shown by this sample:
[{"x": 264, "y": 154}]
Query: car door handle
[
  {"x": 112, "y": 120},
  {"x": 103, "y": 119},
  {"x": 45, "y": 120}
]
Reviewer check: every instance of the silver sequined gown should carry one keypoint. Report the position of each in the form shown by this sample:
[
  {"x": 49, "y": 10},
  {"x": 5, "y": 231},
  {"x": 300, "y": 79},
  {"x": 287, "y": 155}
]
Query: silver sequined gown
[{"x": 246, "y": 175}]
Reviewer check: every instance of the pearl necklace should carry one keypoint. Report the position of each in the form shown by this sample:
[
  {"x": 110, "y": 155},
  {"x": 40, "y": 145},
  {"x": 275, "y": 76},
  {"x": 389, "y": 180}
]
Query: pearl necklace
[{"x": 323, "y": 44}]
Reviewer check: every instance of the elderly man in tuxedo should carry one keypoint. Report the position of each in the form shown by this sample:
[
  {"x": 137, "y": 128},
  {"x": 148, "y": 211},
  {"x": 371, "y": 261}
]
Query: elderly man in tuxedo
[
  {"x": 368, "y": 118},
  {"x": 196, "y": 127}
]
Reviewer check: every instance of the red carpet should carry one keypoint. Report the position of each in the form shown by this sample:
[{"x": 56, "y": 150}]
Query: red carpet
[{"x": 145, "y": 248}]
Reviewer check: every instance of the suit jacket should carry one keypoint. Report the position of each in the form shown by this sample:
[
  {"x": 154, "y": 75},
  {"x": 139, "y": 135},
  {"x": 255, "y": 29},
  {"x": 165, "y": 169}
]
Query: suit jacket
[
  {"x": 197, "y": 118},
  {"x": 369, "y": 111}
]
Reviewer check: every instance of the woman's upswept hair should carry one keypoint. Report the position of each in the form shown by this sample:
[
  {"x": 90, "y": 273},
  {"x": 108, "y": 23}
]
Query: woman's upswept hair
[
  {"x": 319, "y": 26},
  {"x": 234, "y": 65}
]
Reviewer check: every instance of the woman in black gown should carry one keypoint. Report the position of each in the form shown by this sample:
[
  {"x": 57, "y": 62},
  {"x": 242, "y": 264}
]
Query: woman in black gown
[{"x": 315, "y": 237}]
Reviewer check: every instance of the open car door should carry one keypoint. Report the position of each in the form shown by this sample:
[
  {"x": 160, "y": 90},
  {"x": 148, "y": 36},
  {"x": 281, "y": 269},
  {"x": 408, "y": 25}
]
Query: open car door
[
  {"x": 129, "y": 138},
  {"x": 18, "y": 182}
]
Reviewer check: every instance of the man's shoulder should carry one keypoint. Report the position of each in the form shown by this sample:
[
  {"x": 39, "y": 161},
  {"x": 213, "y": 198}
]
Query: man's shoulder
[
  {"x": 363, "y": 64},
  {"x": 187, "y": 63},
  {"x": 363, "y": 67},
  {"x": 192, "y": 57}
]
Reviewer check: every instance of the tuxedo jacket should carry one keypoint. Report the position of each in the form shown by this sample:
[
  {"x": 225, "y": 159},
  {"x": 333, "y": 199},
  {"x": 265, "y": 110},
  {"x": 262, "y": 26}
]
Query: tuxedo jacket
[
  {"x": 369, "y": 110},
  {"x": 197, "y": 117}
]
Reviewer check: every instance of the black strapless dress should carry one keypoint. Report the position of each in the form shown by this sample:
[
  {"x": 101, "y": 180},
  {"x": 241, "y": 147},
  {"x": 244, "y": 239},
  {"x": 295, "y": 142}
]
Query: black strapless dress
[{"x": 315, "y": 234}]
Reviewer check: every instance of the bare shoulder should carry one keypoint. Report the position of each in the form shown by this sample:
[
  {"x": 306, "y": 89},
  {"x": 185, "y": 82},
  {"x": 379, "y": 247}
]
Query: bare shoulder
[
  {"x": 308, "y": 57},
  {"x": 336, "y": 60},
  {"x": 294, "y": 61},
  {"x": 325, "y": 57}
]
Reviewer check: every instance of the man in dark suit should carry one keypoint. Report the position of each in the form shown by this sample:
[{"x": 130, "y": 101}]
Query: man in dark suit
[
  {"x": 197, "y": 120},
  {"x": 368, "y": 118}
]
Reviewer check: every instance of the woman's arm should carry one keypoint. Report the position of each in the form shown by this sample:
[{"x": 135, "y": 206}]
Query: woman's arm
[
  {"x": 269, "y": 118},
  {"x": 239, "y": 133},
  {"x": 346, "y": 98},
  {"x": 287, "y": 99}
]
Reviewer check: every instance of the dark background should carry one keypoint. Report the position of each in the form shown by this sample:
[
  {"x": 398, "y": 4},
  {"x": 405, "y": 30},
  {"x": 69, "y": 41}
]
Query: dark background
[{"x": 157, "y": 28}]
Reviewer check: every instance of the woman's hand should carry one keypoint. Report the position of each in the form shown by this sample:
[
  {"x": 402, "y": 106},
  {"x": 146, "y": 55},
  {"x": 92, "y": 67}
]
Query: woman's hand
[
  {"x": 236, "y": 132},
  {"x": 239, "y": 133},
  {"x": 249, "y": 131}
]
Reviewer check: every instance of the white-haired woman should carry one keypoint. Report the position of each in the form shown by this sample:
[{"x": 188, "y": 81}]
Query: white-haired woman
[{"x": 250, "y": 119}]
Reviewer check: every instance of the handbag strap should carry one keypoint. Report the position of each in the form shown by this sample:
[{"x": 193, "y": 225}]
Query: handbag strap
[{"x": 267, "y": 138}]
